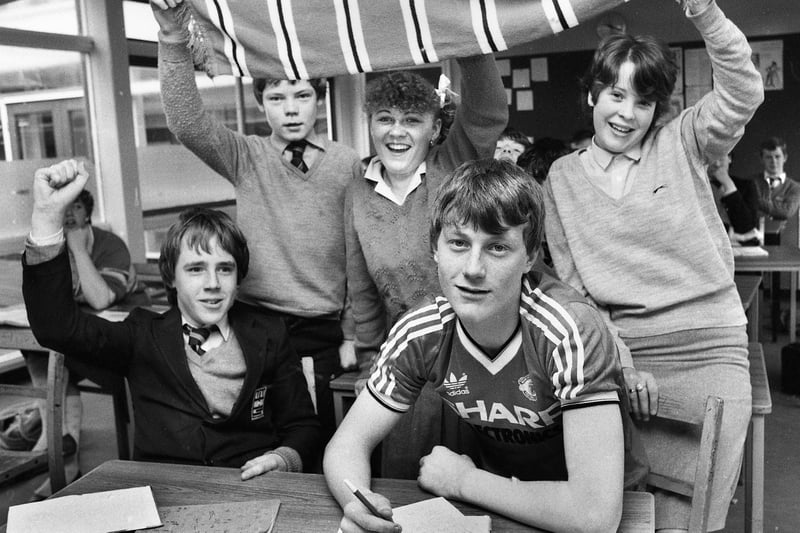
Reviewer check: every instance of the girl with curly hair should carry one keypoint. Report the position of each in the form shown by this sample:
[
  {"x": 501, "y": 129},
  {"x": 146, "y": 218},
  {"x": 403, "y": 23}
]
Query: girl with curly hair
[{"x": 390, "y": 266}]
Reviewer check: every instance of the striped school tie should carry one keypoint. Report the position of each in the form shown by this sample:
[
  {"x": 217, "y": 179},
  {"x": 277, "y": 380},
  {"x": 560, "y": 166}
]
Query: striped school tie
[
  {"x": 297, "y": 148},
  {"x": 197, "y": 336}
]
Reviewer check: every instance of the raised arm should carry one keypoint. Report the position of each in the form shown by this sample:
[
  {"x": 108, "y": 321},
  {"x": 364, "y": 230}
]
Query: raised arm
[
  {"x": 218, "y": 146},
  {"x": 54, "y": 316},
  {"x": 717, "y": 122},
  {"x": 480, "y": 117}
]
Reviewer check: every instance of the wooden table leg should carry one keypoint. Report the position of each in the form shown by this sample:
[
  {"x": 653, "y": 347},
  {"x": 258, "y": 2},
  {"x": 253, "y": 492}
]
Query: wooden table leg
[{"x": 754, "y": 477}]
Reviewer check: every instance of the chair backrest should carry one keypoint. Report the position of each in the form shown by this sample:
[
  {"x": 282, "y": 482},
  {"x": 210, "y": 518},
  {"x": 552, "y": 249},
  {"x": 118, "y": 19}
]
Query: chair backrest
[
  {"x": 54, "y": 395},
  {"x": 700, "y": 489}
]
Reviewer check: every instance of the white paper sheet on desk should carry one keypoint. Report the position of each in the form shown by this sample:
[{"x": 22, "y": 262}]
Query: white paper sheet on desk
[
  {"x": 99, "y": 512},
  {"x": 14, "y": 315},
  {"x": 437, "y": 515}
]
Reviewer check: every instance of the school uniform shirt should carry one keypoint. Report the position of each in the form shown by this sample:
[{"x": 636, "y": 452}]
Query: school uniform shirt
[{"x": 561, "y": 357}]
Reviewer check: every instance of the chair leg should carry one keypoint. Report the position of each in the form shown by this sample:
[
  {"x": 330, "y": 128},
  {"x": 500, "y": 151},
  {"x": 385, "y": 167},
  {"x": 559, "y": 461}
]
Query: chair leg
[{"x": 56, "y": 392}]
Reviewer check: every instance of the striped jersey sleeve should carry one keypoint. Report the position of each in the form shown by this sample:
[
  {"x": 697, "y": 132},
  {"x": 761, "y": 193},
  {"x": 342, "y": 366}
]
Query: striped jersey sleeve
[
  {"x": 573, "y": 344},
  {"x": 409, "y": 353}
]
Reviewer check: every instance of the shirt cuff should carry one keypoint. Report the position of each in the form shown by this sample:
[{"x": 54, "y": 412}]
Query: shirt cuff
[{"x": 36, "y": 253}]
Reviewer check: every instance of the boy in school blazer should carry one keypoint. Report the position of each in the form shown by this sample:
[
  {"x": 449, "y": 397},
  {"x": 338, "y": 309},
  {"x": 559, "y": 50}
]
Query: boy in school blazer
[{"x": 233, "y": 395}]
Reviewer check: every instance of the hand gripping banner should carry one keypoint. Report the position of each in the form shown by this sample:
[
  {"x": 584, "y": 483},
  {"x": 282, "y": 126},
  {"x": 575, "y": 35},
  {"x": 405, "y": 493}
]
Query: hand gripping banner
[{"x": 301, "y": 39}]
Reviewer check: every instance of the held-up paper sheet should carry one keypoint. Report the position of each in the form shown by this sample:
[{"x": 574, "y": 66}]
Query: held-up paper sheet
[
  {"x": 99, "y": 512},
  {"x": 437, "y": 515}
]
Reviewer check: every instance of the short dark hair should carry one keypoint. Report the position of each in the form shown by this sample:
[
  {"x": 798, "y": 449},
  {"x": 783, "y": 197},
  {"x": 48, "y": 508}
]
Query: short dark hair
[
  {"x": 404, "y": 90},
  {"x": 199, "y": 225},
  {"x": 773, "y": 143},
  {"x": 320, "y": 86},
  {"x": 492, "y": 195},
  {"x": 581, "y": 135},
  {"x": 655, "y": 70},
  {"x": 516, "y": 136},
  {"x": 85, "y": 197},
  {"x": 537, "y": 159}
]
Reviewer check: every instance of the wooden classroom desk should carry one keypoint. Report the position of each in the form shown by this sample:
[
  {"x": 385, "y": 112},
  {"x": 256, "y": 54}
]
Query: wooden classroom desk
[
  {"x": 306, "y": 504},
  {"x": 783, "y": 258}
]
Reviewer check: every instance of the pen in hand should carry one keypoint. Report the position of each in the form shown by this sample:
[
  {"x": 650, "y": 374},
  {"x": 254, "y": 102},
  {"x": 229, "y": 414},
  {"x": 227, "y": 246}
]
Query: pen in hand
[{"x": 363, "y": 499}]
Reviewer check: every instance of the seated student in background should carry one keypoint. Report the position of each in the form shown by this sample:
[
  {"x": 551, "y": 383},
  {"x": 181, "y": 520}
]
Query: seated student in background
[
  {"x": 102, "y": 275},
  {"x": 522, "y": 358},
  {"x": 778, "y": 194},
  {"x": 213, "y": 381},
  {"x": 511, "y": 144},
  {"x": 739, "y": 202}
]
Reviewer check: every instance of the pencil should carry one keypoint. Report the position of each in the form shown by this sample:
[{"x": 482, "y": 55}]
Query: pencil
[{"x": 363, "y": 499}]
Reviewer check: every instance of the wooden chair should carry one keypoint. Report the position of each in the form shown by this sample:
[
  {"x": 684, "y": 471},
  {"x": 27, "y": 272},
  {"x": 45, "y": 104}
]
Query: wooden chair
[
  {"x": 13, "y": 463},
  {"x": 115, "y": 387},
  {"x": 700, "y": 489}
]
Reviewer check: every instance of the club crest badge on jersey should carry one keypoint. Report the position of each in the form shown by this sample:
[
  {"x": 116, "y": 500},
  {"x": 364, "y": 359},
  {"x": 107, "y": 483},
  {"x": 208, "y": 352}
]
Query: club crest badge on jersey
[
  {"x": 257, "y": 409},
  {"x": 525, "y": 385}
]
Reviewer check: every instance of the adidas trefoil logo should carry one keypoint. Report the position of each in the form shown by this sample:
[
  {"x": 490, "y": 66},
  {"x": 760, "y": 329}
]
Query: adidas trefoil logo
[{"x": 456, "y": 386}]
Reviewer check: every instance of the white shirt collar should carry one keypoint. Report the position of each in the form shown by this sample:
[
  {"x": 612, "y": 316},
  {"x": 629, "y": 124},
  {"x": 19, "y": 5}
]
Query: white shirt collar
[
  {"x": 769, "y": 178},
  {"x": 603, "y": 158},
  {"x": 374, "y": 173}
]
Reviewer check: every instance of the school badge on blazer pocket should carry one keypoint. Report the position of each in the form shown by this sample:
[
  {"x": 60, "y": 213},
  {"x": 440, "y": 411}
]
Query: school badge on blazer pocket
[{"x": 257, "y": 408}]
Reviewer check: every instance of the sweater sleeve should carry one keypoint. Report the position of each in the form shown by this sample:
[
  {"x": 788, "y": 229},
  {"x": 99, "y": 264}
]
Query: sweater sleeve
[
  {"x": 481, "y": 116},
  {"x": 368, "y": 311},
  {"x": 218, "y": 146},
  {"x": 714, "y": 126}
]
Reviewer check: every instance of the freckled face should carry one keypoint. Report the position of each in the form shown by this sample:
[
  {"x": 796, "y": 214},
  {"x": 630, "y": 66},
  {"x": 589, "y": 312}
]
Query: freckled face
[
  {"x": 621, "y": 117},
  {"x": 402, "y": 139}
]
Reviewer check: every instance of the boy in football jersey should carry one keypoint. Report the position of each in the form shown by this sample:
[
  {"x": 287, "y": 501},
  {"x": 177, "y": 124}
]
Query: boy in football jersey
[{"x": 522, "y": 358}]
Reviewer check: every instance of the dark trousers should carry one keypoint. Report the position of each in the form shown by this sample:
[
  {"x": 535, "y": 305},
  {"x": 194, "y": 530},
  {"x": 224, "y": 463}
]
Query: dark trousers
[{"x": 320, "y": 339}]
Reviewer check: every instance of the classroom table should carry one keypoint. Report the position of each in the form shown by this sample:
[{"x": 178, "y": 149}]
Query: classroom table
[
  {"x": 782, "y": 258},
  {"x": 306, "y": 504},
  {"x": 12, "y": 337}
]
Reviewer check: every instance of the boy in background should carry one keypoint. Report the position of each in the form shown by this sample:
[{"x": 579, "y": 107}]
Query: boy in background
[{"x": 511, "y": 144}]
